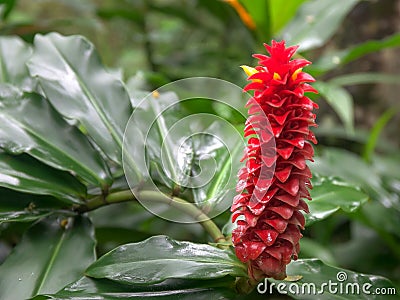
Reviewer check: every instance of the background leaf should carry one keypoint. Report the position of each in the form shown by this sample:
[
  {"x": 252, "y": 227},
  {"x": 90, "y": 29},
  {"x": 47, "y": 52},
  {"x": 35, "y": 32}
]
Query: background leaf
[
  {"x": 30, "y": 124},
  {"x": 365, "y": 78},
  {"x": 259, "y": 12},
  {"x": 79, "y": 87},
  {"x": 340, "y": 100},
  {"x": 159, "y": 258},
  {"x": 282, "y": 12},
  {"x": 351, "y": 168},
  {"x": 375, "y": 132},
  {"x": 334, "y": 59},
  {"x": 330, "y": 195},
  {"x": 47, "y": 258},
  {"x": 315, "y": 22}
]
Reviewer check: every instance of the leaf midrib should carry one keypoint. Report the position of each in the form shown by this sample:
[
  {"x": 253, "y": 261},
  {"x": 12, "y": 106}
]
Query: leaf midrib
[
  {"x": 151, "y": 261},
  {"x": 216, "y": 183},
  {"x": 90, "y": 97},
  {"x": 54, "y": 147},
  {"x": 164, "y": 137},
  {"x": 4, "y": 75},
  {"x": 49, "y": 266}
]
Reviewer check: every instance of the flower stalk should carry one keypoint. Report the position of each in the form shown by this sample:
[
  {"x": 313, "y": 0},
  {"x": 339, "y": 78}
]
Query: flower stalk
[{"x": 154, "y": 196}]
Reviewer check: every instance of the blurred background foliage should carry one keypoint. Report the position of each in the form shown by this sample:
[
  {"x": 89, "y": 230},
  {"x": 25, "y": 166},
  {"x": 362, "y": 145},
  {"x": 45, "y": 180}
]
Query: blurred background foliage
[{"x": 354, "y": 46}]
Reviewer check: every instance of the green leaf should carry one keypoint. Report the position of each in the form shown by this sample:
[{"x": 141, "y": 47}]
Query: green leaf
[
  {"x": 313, "y": 249},
  {"x": 340, "y": 100},
  {"x": 177, "y": 10},
  {"x": 48, "y": 257},
  {"x": 130, "y": 14},
  {"x": 80, "y": 88},
  {"x": 260, "y": 13},
  {"x": 365, "y": 78},
  {"x": 159, "y": 258},
  {"x": 375, "y": 132},
  {"x": 330, "y": 195},
  {"x": 351, "y": 168},
  {"x": 14, "y": 54},
  {"x": 148, "y": 139},
  {"x": 384, "y": 220},
  {"x": 315, "y": 22},
  {"x": 25, "y": 174},
  {"x": 332, "y": 60},
  {"x": 6, "y": 8},
  {"x": 11, "y": 200},
  {"x": 31, "y": 125},
  {"x": 316, "y": 277},
  {"x": 218, "y": 161},
  {"x": 88, "y": 288},
  {"x": 23, "y": 216},
  {"x": 282, "y": 12}
]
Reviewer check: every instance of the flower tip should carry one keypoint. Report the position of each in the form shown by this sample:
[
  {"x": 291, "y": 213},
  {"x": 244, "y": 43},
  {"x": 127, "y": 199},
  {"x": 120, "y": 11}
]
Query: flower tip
[
  {"x": 277, "y": 76},
  {"x": 249, "y": 70},
  {"x": 295, "y": 73}
]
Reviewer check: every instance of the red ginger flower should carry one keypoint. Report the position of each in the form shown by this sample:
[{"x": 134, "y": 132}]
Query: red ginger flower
[{"x": 267, "y": 210}]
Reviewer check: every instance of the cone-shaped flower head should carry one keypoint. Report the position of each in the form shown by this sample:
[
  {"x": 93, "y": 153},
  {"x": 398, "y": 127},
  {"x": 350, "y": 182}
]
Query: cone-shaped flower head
[{"x": 275, "y": 179}]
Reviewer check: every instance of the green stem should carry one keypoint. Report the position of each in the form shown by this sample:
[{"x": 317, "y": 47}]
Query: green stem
[
  {"x": 244, "y": 285},
  {"x": 154, "y": 196}
]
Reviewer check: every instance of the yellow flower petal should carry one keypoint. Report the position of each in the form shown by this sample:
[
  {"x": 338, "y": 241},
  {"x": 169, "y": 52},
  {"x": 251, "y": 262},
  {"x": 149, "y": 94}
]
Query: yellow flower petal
[
  {"x": 277, "y": 76},
  {"x": 249, "y": 70},
  {"x": 295, "y": 73}
]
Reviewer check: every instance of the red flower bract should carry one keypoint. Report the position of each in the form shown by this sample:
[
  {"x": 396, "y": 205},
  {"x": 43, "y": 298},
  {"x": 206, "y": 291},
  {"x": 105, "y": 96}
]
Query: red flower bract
[{"x": 267, "y": 210}]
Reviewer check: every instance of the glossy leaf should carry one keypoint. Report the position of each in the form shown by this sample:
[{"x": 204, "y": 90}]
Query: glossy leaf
[
  {"x": 382, "y": 213},
  {"x": 340, "y": 100},
  {"x": 23, "y": 216},
  {"x": 25, "y": 174},
  {"x": 219, "y": 164},
  {"x": 149, "y": 147},
  {"x": 332, "y": 60},
  {"x": 159, "y": 258},
  {"x": 31, "y": 125},
  {"x": 80, "y": 88},
  {"x": 189, "y": 294},
  {"x": 330, "y": 195},
  {"x": 170, "y": 289},
  {"x": 315, "y": 277},
  {"x": 14, "y": 54},
  {"x": 11, "y": 200},
  {"x": 351, "y": 168},
  {"x": 315, "y": 22},
  {"x": 48, "y": 257}
]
